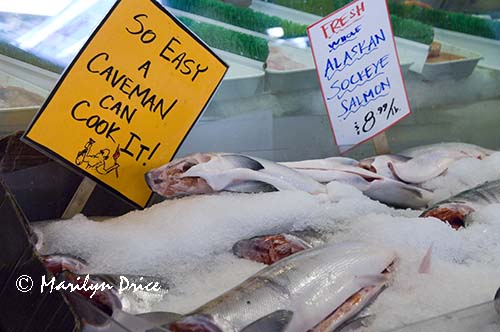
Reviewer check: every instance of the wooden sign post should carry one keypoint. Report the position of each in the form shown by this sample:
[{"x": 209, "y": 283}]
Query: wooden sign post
[
  {"x": 359, "y": 73},
  {"x": 129, "y": 99},
  {"x": 381, "y": 144}
]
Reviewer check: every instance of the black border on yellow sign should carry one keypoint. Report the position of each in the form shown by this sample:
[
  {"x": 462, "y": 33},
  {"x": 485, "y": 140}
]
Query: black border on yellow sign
[{"x": 70, "y": 165}]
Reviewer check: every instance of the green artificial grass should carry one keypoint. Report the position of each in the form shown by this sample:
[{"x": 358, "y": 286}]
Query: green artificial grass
[
  {"x": 235, "y": 42},
  {"x": 412, "y": 30},
  {"x": 317, "y": 7},
  {"x": 238, "y": 16},
  {"x": 446, "y": 20},
  {"x": 21, "y": 55},
  {"x": 403, "y": 27}
]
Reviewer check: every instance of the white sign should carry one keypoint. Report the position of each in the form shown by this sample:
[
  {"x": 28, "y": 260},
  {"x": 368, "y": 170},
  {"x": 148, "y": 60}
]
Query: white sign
[{"x": 359, "y": 72}]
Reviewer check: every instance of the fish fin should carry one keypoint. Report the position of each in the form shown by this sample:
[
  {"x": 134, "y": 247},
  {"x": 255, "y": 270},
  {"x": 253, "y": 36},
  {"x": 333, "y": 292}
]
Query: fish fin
[
  {"x": 415, "y": 191},
  {"x": 244, "y": 161},
  {"x": 357, "y": 323},
  {"x": 371, "y": 279},
  {"x": 398, "y": 194},
  {"x": 298, "y": 240},
  {"x": 497, "y": 294},
  {"x": 497, "y": 301},
  {"x": 251, "y": 187},
  {"x": 131, "y": 322},
  {"x": 418, "y": 170},
  {"x": 276, "y": 321},
  {"x": 425, "y": 263},
  {"x": 393, "y": 170}
]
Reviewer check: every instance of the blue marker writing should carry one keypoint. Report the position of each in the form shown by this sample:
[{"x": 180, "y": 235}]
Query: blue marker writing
[
  {"x": 357, "y": 52},
  {"x": 354, "y": 103},
  {"x": 359, "y": 78},
  {"x": 344, "y": 39}
]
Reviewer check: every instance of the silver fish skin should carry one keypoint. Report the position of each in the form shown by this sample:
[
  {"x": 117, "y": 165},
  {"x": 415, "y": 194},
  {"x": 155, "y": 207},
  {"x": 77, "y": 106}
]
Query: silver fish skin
[
  {"x": 311, "y": 284},
  {"x": 430, "y": 161},
  {"x": 467, "y": 149},
  {"x": 455, "y": 209},
  {"x": 204, "y": 173},
  {"x": 425, "y": 166},
  {"x": 324, "y": 164},
  {"x": 398, "y": 194},
  {"x": 383, "y": 189}
]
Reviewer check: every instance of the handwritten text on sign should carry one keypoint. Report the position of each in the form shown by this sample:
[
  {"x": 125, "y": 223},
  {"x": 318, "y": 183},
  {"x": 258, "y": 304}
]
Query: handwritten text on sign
[
  {"x": 129, "y": 99},
  {"x": 359, "y": 71}
]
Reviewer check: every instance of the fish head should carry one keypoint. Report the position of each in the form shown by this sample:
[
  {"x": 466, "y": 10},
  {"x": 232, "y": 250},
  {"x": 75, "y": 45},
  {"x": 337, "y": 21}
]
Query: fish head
[
  {"x": 269, "y": 249},
  {"x": 170, "y": 181},
  {"x": 452, "y": 213},
  {"x": 59, "y": 263},
  {"x": 93, "y": 289}
]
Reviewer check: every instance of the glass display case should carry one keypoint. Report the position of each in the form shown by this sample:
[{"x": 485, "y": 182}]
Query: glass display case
[{"x": 259, "y": 177}]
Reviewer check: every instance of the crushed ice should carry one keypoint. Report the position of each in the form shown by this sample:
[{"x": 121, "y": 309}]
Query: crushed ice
[{"x": 187, "y": 243}]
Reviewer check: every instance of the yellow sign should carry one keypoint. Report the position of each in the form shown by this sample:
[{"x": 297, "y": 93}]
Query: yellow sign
[{"x": 129, "y": 99}]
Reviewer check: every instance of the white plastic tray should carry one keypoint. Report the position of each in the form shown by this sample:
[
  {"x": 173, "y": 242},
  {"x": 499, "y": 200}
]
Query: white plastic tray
[
  {"x": 452, "y": 69},
  {"x": 295, "y": 71},
  {"x": 16, "y": 116},
  {"x": 244, "y": 78}
]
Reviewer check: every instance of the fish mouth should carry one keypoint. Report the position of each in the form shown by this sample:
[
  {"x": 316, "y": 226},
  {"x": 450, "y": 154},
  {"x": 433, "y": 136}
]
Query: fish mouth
[
  {"x": 269, "y": 249},
  {"x": 454, "y": 215},
  {"x": 169, "y": 180},
  {"x": 58, "y": 263},
  {"x": 151, "y": 181}
]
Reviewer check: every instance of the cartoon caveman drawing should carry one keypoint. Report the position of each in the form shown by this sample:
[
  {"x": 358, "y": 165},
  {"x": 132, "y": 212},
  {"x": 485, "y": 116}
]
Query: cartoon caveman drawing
[{"x": 100, "y": 161}]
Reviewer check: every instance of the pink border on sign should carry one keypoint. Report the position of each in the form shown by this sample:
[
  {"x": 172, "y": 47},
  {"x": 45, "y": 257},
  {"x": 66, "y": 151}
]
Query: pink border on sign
[{"x": 323, "y": 94}]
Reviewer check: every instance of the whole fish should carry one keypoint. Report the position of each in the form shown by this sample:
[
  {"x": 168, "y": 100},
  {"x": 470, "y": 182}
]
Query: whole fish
[
  {"x": 470, "y": 150},
  {"x": 398, "y": 194},
  {"x": 321, "y": 288},
  {"x": 429, "y": 161},
  {"x": 376, "y": 186},
  {"x": 203, "y": 173},
  {"x": 425, "y": 166},
  {"x": 455, "y": 209}
]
